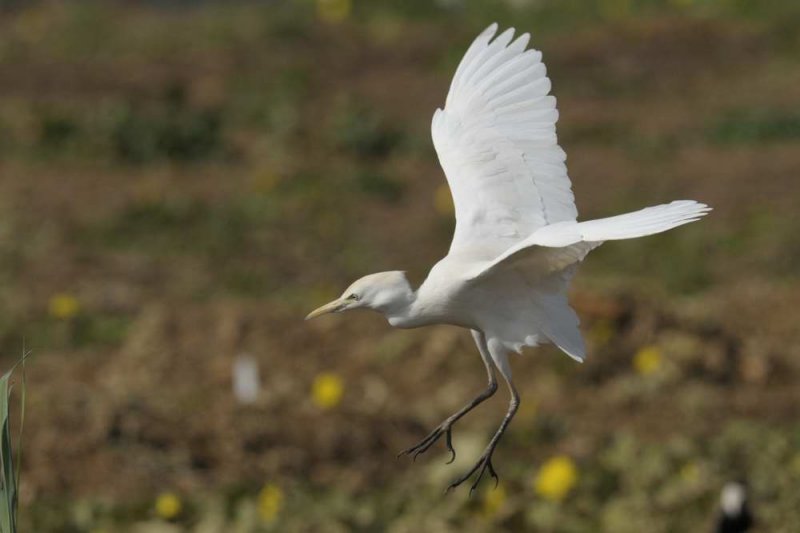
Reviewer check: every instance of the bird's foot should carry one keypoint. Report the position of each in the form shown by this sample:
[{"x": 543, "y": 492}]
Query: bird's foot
[
  {"x": 483, "y": 465},
  {"x": 445, "y": 428}
]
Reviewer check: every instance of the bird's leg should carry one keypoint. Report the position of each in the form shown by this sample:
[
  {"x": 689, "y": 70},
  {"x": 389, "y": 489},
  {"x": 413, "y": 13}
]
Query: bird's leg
[
  {"x": 445, "y": 428},
  {"x": 485, "y": 461}
]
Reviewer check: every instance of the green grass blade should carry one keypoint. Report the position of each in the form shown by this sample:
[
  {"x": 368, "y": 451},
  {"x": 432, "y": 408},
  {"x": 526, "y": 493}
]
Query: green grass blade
[
  {"x": 8, "y": 487},
  {"x": 21, "y": 418},
  {"x": 9, "y": 475}
]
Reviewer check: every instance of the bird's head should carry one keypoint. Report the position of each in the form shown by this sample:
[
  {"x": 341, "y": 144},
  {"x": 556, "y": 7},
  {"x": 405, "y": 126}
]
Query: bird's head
[{"x": 387, "y": 292}]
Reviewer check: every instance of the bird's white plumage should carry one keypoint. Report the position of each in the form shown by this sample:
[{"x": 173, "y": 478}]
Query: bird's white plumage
[
  {"x": 558, "y": 245},
  {"x": 496, "y": 141},
  {"x": 517, "y": 242}
]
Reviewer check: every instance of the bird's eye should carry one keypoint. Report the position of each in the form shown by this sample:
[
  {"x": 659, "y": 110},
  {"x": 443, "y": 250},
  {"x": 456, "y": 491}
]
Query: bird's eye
[{"x": 353, "y": 297}]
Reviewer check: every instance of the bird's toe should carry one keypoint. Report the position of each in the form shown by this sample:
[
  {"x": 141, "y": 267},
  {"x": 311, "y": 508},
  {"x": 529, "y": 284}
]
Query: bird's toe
[{"x": 449, "y": 442}]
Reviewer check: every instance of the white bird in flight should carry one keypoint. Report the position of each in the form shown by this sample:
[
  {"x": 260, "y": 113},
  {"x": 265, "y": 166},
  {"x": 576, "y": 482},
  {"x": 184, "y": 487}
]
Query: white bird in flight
[{"x": 517, "y": 241}]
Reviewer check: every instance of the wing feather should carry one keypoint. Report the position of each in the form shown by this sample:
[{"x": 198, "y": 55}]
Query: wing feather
[
  {"x": 496, "y": 141},
  {"x": 517, "y": 241},
  {"x": 559, "y": 245}
]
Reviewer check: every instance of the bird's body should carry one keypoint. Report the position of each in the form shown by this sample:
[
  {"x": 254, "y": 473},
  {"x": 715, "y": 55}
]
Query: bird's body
[
  {"x": 447, "y": 297},
  {"x": 517, "y": 241}
]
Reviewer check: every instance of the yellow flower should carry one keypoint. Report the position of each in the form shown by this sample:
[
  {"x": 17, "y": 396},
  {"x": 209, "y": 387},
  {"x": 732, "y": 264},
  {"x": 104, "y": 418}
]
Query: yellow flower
[
  {"x": 647, "y": 360},
  {"x": 63, "y": 306},
  {"x": 494, "y": 500},
  {"x": 443, "y": 200},
  {"x": 334, "y": 10},
  {"x": 270, "y": 502},
  {"x": 556, "y": 478},
  {"x": 168, "y": 505},
  {"x": 327, "y": 390}
]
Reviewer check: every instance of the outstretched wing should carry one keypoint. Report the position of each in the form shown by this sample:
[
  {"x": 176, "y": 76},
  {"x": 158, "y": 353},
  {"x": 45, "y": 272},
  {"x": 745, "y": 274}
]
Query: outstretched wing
[
  {"x": 534, "y": 274},
  {"x": 496, "y": 141},
  {"x": 558, "y": 246}
]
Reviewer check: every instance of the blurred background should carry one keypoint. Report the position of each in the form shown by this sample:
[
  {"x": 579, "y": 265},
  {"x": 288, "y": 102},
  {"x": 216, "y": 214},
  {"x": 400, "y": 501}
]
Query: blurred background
[{"x": 181, "y": 182}]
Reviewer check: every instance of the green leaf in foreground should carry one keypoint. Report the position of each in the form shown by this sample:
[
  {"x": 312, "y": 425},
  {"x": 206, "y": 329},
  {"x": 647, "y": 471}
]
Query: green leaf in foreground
[{"x": 9, "y": 476}]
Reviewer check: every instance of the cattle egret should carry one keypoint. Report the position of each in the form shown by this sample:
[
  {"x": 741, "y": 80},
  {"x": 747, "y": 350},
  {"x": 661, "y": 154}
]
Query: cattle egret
[{"x": 517, "y": 241}]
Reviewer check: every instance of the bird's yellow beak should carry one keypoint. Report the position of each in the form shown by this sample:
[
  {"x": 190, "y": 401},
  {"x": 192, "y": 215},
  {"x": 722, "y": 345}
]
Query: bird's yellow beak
[{"x": 330, "y": 307}]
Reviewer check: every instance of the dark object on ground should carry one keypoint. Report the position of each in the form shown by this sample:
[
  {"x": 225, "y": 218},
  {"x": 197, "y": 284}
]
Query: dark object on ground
[{"x": 734, "y": 515}]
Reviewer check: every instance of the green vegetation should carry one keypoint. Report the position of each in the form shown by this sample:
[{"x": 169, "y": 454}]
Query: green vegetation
[
  {"x": 748, "y": 126},
  {"x": 9, "y": 461}
]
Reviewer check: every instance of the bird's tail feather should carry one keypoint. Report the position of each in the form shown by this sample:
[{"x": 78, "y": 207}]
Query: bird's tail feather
[{"x": 560, "y": 325}]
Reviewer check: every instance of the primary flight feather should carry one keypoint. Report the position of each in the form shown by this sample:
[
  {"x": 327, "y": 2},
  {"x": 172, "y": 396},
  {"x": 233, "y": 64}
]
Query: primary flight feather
[{"x": 517, "y": 241}]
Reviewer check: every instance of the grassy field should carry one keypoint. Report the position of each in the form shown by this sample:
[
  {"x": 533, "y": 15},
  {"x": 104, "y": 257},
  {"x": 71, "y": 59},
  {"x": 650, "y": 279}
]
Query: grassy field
[{"x": 181, "y": 184}]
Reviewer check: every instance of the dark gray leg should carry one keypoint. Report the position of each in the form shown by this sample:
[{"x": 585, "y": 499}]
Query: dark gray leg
[
  {"x": 485, "y": 461},
  {"x": 445, "y": 428}
]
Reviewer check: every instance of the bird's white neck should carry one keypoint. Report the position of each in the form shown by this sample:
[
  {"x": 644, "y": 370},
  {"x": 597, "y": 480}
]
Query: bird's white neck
[
  {"x": 412, "y": 310},
  {"x": 390, "y": 294},
  {"x": 398, "y": 303},
  {"x": 402, "y": 315}
]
